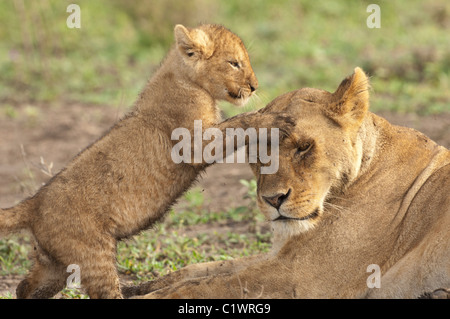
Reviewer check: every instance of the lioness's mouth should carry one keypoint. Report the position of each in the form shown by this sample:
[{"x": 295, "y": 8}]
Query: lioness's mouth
[{"x": 313, "y": 215}]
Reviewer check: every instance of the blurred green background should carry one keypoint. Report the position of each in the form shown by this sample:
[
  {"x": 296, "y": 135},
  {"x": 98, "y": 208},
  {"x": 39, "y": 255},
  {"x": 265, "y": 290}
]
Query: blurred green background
[{"x": 292, "y": 44}]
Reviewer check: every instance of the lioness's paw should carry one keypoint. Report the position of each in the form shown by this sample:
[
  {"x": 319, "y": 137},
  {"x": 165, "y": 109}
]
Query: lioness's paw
[{"x": 437, "y": 294}]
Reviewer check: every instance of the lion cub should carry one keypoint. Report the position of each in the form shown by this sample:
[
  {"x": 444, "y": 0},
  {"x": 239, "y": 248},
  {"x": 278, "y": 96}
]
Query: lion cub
[{"x": 126, "y": 181}]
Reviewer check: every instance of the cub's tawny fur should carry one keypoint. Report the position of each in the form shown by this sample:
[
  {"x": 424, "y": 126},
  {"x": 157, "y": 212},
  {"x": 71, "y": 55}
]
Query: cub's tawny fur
[
  {"x": 352, "y": 192},
  {"x": 125, "y": 181}
]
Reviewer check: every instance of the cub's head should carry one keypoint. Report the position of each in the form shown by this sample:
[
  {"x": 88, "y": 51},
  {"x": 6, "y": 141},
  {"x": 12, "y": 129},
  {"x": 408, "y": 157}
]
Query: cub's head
[
  {"x": 217, "y": 60},
  {"x": 318, "y": 158}
]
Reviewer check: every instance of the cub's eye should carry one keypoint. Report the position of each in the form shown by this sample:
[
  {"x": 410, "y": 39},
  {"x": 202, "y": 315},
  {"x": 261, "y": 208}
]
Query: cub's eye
[
  {"x": 234, "y": 64},
  {"x": 303, "y": 149}
]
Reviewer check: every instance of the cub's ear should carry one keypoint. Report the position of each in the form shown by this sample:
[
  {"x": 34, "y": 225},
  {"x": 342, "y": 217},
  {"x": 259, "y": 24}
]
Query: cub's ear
[
  {"x": 193, "y": 43},
  {"x": 350, "y": 102}
]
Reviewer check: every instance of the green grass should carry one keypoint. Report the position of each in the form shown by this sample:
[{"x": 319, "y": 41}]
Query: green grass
[
  {"x": 13, "y": 256},
  {"x": 292, "y": 44}
]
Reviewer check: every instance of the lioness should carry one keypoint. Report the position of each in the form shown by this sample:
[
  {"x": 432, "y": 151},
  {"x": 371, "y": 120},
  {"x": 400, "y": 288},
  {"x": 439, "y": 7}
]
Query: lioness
[
  {"x": 352, "y": 193},
  {"x": 127, "y": 180}
]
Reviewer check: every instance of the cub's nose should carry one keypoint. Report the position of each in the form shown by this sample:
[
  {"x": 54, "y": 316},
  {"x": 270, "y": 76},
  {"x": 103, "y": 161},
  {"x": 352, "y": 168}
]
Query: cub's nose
[
  {"x": 277, "y": 200},
  {"x": 252, "y": 83}
]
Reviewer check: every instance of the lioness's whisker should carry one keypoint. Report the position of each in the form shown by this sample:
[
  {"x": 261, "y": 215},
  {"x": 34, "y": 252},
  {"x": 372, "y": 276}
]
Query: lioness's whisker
[{"x": 336, "y": 207}]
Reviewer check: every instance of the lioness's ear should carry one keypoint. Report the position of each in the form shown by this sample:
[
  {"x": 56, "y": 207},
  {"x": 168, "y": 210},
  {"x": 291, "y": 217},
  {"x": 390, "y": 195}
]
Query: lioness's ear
[
  {"x": 193, "y": 42},
  {"x": 350, "y": 102}
]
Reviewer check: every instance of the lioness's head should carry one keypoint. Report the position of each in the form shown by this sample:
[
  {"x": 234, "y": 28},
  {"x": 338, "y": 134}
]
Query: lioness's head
[
  {"x": 320, "y": 156},
  {"x": 217, "y": 60}
]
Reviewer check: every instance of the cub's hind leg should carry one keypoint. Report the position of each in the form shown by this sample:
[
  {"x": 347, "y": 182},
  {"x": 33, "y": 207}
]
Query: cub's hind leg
[
  {"x": 95, "y": 258},
  {"x": 100, "y": 279},
  {"x": 46, "y": 278},
  {"x": 98, "y": 272}
]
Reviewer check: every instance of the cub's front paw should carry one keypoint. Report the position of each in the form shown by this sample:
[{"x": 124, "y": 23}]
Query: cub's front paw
[{"x": 284, "y": 121}]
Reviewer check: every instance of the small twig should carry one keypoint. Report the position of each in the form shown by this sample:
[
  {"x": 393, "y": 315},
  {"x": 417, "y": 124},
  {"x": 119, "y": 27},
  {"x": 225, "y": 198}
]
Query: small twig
[{"x": 46, "y": 168}]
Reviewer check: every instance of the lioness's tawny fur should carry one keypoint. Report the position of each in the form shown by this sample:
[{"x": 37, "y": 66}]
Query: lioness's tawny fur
[
  {"x": 125, "y": 181},
  {"x": 359, "y": 208}
]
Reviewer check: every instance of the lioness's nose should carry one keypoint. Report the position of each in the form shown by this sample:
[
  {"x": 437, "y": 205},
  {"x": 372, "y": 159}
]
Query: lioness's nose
[{"x": 277, "y": 200}]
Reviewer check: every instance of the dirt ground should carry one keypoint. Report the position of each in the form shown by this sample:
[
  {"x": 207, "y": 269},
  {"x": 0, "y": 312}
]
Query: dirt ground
[{"x": 56, "y": 134}]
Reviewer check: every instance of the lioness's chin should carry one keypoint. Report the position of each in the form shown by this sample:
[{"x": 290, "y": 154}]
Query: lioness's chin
[{"x": 288, "y": 228}]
